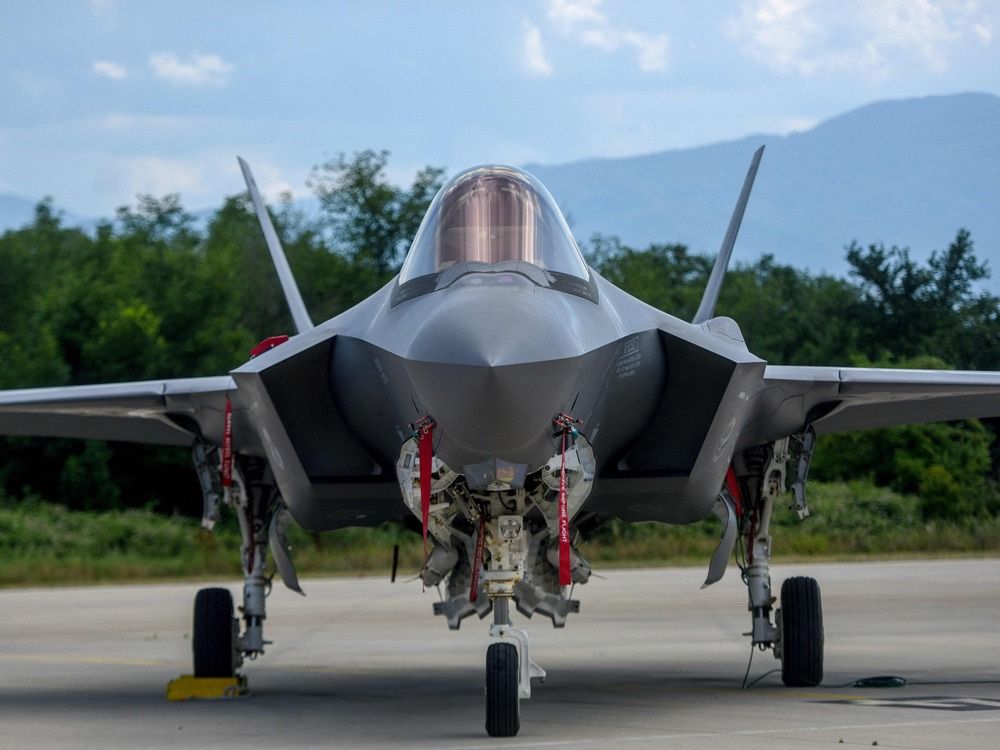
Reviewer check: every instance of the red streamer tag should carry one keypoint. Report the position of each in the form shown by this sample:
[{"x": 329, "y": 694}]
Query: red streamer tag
[
  {"x": 426, "y": 445},
  {"x": 227, "y": 445},
  {"x": 565, "y": 577},
  {"x": 477, "y": 558},
  {"x": 733, "y": 485}
]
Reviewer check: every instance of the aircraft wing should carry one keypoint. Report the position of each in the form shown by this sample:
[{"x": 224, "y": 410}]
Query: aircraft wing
[
  {"x": 840, "y": 399},
  {"x": 163, "y": 412}
]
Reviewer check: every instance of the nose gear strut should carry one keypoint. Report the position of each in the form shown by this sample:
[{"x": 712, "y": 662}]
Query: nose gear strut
[{"x": 510, "y": 541}]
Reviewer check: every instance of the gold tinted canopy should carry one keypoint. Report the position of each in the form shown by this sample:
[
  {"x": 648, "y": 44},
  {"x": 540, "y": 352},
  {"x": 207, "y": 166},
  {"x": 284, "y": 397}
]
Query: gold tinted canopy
[{"x": 493, "y": 215}]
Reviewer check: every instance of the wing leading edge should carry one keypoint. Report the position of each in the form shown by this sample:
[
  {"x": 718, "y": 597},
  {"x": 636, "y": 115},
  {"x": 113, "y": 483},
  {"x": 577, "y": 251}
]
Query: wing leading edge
[
  {"x": 162, "y": 412},
  {"x": 840, "y": 399}
]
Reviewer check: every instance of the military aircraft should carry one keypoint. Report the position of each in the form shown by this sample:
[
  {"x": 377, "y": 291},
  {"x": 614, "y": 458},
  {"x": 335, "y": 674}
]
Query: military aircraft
[{"x": 505, "y": 399}]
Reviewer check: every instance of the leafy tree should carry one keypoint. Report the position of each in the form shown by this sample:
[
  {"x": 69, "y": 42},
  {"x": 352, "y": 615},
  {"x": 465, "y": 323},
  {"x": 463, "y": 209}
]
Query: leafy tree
[
  {"x": 369, "y": 218},
  {"x": 908, "y": 309},
  {"x": 155, "y": 294},
  {"x": 945, "y": 463},
  {"x": 668, "y": 277}
]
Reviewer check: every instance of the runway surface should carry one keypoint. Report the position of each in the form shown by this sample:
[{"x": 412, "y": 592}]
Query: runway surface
[{"x": 651, "y": 661}]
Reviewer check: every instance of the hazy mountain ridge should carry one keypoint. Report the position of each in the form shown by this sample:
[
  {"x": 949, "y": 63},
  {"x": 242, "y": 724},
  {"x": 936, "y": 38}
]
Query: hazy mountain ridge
[
  {"x": 907, "y": 172},
  {"x": 16, "y": 211}
]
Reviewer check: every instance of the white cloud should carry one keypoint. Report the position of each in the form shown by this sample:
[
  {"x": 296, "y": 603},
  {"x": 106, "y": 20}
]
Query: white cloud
[
  {"x": 108, "y": 69},
  {"x": 199, "y": 70},
  {"x": 273, "y": 182},
  {"x": 572, "y": 12},
  {"x": 869, "y": 36},
  {"x": 584, "y": 21},
  {"x": 796, "y": 124},
  {"x": 535, "y": 60},
  {"x": 158, "y": 175}
]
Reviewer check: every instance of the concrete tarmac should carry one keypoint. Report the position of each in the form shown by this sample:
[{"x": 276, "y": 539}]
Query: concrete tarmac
[{"x": 650, "y": 661}]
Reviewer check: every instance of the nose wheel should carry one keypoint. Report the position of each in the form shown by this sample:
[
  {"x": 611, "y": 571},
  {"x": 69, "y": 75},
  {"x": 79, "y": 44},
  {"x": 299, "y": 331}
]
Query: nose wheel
[
  {"x": 509, "y": 671},
  {"x": 503, "y": 713}
]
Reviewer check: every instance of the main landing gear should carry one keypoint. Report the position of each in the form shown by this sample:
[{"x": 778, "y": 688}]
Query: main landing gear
[
  {"x": 219, "y": 647},
  {"x": 796, "y": 637}
]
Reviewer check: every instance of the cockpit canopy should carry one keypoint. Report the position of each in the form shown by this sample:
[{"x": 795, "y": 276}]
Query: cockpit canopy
[{"x": 493, "y": 215}]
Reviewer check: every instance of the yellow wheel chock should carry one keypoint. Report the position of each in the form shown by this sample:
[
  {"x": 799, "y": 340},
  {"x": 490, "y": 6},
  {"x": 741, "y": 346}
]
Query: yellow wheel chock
[{"x": 188, "y": 687}]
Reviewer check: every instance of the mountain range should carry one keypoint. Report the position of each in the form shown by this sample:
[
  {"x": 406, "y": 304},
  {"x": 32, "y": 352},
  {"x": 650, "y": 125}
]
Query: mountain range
[{"x": 908, "y": 172}]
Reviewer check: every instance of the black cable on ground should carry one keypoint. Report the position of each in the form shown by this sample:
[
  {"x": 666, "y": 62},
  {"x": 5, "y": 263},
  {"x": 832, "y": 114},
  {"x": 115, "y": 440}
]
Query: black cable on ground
[
  {"x": 878, "y": 681},
  {"x": 760, "y": 677},
  {"x": 749, "y": 663}
]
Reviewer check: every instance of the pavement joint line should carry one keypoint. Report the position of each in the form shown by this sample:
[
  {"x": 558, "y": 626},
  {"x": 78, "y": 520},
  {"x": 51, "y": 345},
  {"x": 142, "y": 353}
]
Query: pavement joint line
[
  {"x": 605, "y": 741},
  {"x": 822, "y": 696},
  {"x": 76, "y": 659}
]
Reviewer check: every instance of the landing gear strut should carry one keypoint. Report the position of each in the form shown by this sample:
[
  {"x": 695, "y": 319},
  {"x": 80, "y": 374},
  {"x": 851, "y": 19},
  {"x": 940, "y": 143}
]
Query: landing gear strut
[
  {"x": 797, "y": 639},
  {"x": 219, "y": 648}
]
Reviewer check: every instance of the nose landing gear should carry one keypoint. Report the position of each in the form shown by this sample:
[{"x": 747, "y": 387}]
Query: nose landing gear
[{"x": 509, "y": 671}]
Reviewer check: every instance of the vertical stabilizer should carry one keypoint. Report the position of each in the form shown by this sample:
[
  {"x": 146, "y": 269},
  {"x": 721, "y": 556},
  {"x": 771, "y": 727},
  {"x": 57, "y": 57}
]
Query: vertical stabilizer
[
  {"x": 710, "y": 298},
  {"x": 300, "y": 316}
]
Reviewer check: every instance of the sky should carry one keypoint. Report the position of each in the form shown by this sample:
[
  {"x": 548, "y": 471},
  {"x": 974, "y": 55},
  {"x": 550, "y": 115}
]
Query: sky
[{"x": 106, "y": 99}]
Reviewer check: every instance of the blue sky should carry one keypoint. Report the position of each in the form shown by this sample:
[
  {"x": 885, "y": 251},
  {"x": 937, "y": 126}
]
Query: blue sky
[{"x": 106, "y": 99}]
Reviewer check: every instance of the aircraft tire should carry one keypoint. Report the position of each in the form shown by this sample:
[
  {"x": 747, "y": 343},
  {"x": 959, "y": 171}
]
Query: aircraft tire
[
  {"x": 502, "y": 705},
  {"x": 801, "y": 633},
  {"x": 212, "y": 641}
]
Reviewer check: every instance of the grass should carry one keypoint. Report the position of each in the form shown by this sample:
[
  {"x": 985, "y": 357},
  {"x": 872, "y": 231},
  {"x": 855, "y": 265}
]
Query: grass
[{"x": 41, "y": 543}]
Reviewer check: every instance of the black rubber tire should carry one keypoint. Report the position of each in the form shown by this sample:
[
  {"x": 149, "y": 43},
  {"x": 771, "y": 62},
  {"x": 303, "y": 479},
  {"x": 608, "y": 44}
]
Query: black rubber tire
[
  {"x": 502, "y": 705},
  {"x": 212, "y": 639},
  {"x": 801, "y": 633}
]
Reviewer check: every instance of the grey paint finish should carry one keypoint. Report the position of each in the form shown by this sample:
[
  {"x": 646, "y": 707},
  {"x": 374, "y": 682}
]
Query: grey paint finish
[
  {"x": 710, "y": 297},
  {"x": 839, "y": 399},
  {"x": 493, "y": 353},
  {"x": 163, "y": 412},
  {"x": 296, "y": 306}
]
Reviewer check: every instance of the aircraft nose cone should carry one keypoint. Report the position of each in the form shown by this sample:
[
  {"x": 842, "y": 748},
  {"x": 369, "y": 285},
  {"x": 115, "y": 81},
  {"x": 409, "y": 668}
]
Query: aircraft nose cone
[
  {"x": 493, "y": 370},
  {"x": 493, "y": 328}
]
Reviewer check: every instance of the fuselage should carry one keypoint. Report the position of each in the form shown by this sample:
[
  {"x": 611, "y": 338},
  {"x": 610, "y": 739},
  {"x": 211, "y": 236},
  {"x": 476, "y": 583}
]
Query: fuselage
[
  {"x": 493, "y": 359},
  {"x": 494, "y": 327}
]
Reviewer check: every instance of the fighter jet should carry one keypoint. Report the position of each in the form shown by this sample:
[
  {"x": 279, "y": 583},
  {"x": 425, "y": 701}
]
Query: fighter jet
[{"x": 506, "y": 400}]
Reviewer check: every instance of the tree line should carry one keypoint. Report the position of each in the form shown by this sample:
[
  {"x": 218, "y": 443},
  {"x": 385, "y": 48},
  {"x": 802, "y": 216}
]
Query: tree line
[{"x": 153, "y": 293}]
